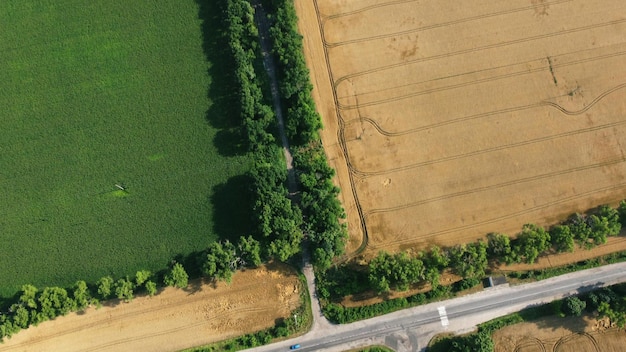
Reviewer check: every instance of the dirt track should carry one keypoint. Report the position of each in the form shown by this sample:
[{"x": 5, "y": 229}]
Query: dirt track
[
  {"x": 172, "y": 320},
  {"x": 451, "y": 122}
]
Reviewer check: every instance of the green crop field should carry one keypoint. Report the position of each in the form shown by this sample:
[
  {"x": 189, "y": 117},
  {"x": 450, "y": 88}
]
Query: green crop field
[{"x": 99, "y": 93}]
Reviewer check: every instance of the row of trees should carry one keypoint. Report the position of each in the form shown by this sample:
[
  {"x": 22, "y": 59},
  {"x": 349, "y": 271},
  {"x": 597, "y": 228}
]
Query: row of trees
[
  {"x": 321, "y": 211},
  {"x": 278, "y": 220},
  {"x": 34, "y": 306},
  {"x": 471, "y": 260}
]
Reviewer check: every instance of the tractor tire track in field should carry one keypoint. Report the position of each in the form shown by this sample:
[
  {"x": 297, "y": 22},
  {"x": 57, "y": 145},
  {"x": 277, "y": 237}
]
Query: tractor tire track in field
[
  {"x": 530, "y": 342},
  {"x": 480, "y": 48},
  {"x": 425, "y": 28},
  {"x": 487, "y": 114},
  {"x": 426, "y": 237},
  {"x": 366, "y": 174},
  {"x": 167, "y": 332},
  {"x": 478, "y": 81},
  {"x": 110, "y": 319},
  {"x": 494, "y": 68},
  {"x": 342, "y": 143},
  {"x": 364, "y": 9},
  {"x": 496, "y": 186},
  {"x": 573, "y": 336}
]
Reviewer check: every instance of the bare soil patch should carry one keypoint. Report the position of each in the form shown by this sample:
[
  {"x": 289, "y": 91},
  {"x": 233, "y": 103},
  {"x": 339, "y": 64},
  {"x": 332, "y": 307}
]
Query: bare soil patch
[
  {"x": 174, "y": 319},
  {"x": 585, "y": 334},
  {"x": 449, "y": 122}
]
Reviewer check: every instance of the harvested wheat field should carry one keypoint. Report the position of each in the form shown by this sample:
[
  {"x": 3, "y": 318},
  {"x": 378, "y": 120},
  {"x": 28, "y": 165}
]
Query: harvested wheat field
[
  {"x": 446, "y": 122},
  {"x": 174, "y": 319},
  {"x": 560, "y": 335}
]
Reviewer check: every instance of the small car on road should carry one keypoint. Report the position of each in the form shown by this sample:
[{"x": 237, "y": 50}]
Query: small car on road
[{"x": 294, "y": 347}]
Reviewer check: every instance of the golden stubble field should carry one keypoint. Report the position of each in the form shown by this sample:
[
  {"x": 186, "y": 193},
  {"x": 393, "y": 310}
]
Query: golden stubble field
[
  {"x": 447, "y": 121},
  {"x": 174, "y": 319},
  {"x": 554, "y": 334}
]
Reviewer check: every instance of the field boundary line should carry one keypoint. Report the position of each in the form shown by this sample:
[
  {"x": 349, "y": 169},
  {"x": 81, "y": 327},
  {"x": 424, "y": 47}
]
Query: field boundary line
[
  {"x": 507, "y": 216},
  {"x": 342, "y": 143},
  {"x": 425, "y": 28},
  {"x": 366, "y": 174},
  {"x": 470, "y": 83},
  {"x": 495, "y": 186},
  {"x": 490, "y": 113},
  {"x": 480, "y": 48},
  {"x": 363, "y": 9}
]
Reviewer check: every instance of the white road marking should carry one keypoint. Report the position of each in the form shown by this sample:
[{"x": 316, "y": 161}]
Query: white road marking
[{"x": 443, "y": 316}]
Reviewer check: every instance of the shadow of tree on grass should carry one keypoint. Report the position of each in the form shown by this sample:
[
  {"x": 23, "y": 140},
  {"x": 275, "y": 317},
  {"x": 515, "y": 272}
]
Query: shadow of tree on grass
[{"x": 224, "y": 111}]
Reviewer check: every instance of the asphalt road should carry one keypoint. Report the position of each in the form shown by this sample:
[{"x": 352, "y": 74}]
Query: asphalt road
[{"x": 411, "y": 329}]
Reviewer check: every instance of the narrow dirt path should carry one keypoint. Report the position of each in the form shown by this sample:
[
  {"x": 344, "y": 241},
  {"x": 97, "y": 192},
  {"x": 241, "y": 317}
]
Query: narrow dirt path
[
  {"x": 319, "y": 321},
  {"x": 268, "y": 61}
]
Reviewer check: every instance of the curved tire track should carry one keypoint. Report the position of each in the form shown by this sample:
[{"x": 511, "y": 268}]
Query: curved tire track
[
  {"x": 365, "y": 174},
  {"x": 342, "y": 143},
  {"x": 524, "y": 72}
]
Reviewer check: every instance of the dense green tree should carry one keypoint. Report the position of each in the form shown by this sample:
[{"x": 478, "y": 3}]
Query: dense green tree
[
  {"x": 436, "y": 257},
  {"x": 105, "y": 287},
  {"x": 221, "y": 261},
  {"x": 21, "y": 317},
  {"x": 599, "y": 229},
  {"x": 176, "y": 276},
  {"x": 574, "y": 306},
  {"x": 562, "y": 238},
  {"x": 621, "y": 211},
  {"x": 249, "y": 251},
  {"x": 54, "y": 301},
  {"x": 151, "y": 287},
  {"x": 613, "y": 219},
  {"x": 7, "y": 326},
  {"x": 82, "y": 297},
  {"x": 124, "y": 289},
  {"x": 595, "y": 298},
  {"x": 395, "y": 271},
  {"x": 469, "y": 260},
  {"x": 29, "y": 296},
  {"x": 531, "y": 242},
  {"x": 580, "y": 229},
  {"x": 499, "y": 248},
  {"x": 142, "y": 276}
]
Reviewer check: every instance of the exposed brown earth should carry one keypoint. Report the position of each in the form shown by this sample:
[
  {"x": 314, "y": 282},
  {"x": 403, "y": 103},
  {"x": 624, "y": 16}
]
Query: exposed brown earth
[
  {"x": 174, "y": 319},
  {"x": 449, "y": 122}
]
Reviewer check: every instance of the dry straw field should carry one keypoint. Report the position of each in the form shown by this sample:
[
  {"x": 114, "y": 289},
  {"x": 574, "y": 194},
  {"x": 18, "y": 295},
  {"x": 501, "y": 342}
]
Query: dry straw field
[
  {"x": 448, "y": 121},
  {"x": 174, "y": 319},
  {"x": 572, "y": 334}
]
